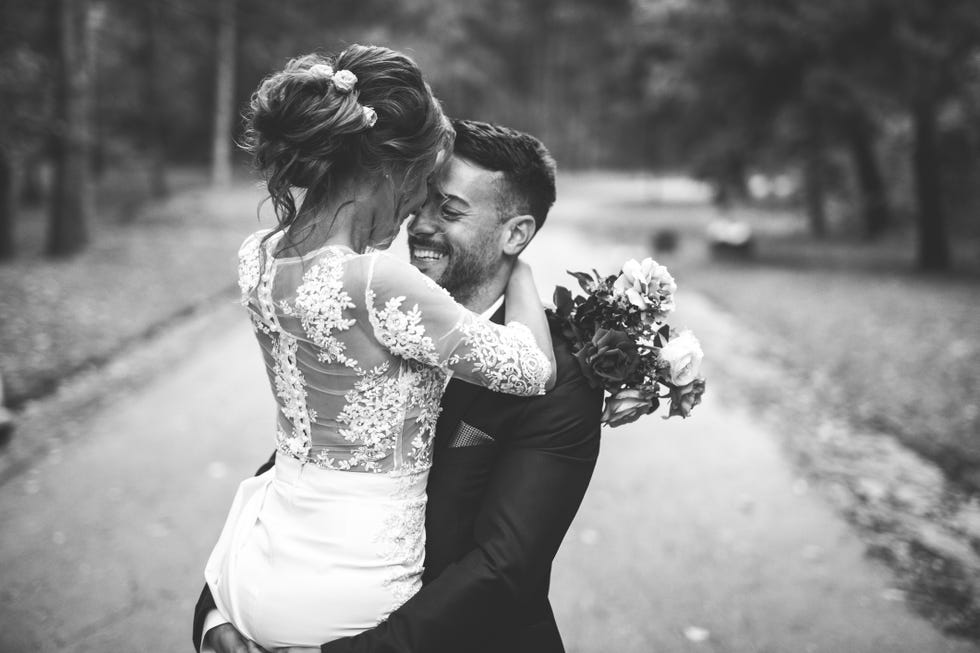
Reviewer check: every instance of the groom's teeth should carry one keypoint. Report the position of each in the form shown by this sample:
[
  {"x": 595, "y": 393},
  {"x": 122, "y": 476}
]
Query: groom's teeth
[{"x": 427, "y": 254}]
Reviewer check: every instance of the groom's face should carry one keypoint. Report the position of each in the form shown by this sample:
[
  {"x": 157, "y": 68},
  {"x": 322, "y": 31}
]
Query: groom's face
[{"x": 456, "y": 238}]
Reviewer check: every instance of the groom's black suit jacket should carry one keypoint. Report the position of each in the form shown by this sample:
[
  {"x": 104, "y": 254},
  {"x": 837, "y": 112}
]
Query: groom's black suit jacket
[{"x": 507, "y": 478}]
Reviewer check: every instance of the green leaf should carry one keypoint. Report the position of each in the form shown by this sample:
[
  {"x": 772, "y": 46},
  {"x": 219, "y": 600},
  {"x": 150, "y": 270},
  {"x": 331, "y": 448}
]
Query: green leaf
[
  {"x": 584, "y": 280},
  {"x": 563, "y": 301}
]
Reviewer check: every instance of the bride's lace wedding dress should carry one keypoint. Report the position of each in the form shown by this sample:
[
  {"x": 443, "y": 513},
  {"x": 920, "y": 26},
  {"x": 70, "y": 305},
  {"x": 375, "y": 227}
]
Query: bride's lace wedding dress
[{"x": 357, "y": 348}]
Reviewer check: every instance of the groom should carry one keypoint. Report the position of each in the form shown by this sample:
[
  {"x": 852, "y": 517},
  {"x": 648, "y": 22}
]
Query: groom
[{"x": 508, "y": 473}]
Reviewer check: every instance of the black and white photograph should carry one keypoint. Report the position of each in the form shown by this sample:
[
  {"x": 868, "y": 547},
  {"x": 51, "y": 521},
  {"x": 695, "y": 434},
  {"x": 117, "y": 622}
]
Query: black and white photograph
[{"x": 490, "y": 326}]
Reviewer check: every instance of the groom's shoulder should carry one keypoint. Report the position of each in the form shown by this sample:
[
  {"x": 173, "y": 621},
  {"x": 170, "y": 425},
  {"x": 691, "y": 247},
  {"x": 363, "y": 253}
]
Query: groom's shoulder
[
  {"x": 570, "y": 381},
  {"x": 566, "y": 418}
]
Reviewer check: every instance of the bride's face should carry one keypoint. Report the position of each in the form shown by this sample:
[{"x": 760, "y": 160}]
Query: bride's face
[
  {"x": 406, "y": 202},
  {"x": 393, "y": 209}
]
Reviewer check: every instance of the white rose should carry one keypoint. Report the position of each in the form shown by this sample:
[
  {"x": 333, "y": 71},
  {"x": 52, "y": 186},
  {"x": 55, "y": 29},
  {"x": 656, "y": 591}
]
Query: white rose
[
  {"x": 646, "y": 284},
  {"x": 630, "y": 284},
  {"x": 344, "y": 80},
  {"x": 683, "y": 353}
]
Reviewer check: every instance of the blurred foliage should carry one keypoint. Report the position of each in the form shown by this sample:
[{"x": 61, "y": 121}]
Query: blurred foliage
[{"x": 870, "y": 105}]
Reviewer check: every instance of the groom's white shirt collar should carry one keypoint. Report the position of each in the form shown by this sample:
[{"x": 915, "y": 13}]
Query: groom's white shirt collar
[{"x": 487, "y": 314}]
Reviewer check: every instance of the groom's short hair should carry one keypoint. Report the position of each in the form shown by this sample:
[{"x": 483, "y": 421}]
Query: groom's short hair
[{"x": 528, "y": 184}]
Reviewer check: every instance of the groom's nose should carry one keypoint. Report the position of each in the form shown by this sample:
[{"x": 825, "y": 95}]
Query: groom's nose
[{"x": 424, "y": 223}]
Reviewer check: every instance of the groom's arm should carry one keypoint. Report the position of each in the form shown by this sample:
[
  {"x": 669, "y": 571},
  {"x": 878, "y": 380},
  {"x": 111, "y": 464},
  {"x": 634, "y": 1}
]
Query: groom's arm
[
  {"x": 205, "y": 603},
  {"x": 535, "y": 490}
]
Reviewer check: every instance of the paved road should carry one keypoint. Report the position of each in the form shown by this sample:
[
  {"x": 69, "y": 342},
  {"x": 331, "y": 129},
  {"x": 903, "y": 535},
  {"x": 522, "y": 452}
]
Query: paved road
[{"x": 695, "y": 536}]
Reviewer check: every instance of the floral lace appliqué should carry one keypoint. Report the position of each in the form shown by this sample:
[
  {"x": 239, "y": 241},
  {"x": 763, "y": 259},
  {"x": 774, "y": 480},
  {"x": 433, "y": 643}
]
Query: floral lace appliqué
[
  {"x": 249, "y": 264},
  {"x": 320, "y": 302},
  {"x": 426, "y": 394},
  {"x": 402, "y": 331},
  {"x": 510, "y": 360},
  {"x": 402, "y": 541},
  {"x": 374, "y": 416}
]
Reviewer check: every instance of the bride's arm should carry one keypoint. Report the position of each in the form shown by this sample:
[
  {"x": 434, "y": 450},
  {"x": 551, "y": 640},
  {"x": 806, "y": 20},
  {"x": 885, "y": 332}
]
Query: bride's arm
[
  {"x": 414, "y": 318},
  {"x": 523, "y": 304}
]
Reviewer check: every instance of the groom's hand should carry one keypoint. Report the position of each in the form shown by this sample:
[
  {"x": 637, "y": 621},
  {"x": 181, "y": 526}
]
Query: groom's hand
[{"x": 226, "y": 639}]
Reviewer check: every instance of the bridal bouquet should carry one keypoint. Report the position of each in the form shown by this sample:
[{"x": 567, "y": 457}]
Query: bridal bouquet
[{"x": 623, "y": 345}]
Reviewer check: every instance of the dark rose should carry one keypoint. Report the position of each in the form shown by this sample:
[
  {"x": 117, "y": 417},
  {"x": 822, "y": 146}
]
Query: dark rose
[
  {"x": 684, "y": 398},
  {"x": 609, "y": 358},
  {"x": 629, "y": 405}
]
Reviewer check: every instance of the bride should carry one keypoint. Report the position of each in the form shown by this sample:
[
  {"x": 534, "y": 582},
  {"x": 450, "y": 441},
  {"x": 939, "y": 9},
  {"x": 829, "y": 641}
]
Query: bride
[{"x": 358, "y": 347}]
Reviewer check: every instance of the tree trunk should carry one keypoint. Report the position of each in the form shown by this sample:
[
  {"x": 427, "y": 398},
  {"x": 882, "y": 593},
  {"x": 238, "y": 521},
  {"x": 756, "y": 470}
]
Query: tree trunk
[
  {"x": 814, "y": 178},
  {"x": 933, "y": 242},
  {"x": 874, "y": 202},
  {"x": 8, "y": 205},
  {"x": 224, "y": 95},
  {"x": 70, "y": 206},
  {"x": 155, "y": 124},
  {"x": 32, "y": 184},
  {"x": 94, "y": 17}
]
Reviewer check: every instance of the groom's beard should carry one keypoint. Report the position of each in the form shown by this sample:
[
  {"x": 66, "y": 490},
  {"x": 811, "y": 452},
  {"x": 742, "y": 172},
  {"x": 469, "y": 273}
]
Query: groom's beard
[{"x": 464, "y": 271}]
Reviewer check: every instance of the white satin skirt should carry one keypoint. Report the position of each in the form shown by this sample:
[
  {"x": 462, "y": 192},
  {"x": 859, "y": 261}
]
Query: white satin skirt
[{"x": 309, "y": 555}]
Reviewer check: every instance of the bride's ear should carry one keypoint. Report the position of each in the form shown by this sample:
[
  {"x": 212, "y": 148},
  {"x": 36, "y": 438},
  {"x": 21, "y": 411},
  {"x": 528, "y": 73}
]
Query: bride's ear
[{"x": 517, "y": 233}]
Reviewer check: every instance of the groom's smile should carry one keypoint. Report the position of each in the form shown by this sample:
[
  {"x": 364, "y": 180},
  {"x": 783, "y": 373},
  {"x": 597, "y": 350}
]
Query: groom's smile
[
  {"x": 455, "y": 238},
  {"x": 425, "y": 252}
]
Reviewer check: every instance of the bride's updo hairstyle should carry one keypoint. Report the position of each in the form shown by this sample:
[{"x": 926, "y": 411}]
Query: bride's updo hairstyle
[{"x": 323, "y": 120}]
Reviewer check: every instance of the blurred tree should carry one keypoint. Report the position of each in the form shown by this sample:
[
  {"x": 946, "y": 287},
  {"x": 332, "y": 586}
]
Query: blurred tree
[
  {"x": 224, "y": 97},
  {"x": 935, "y": 42},
  {"x": 860, "y": 134},
  {"x": 842, "y": 38},
  {"x": 154, "y": 122},
  {"x": 8, "y": 204},
  {"x": 71, "y": 204},
  {"x": 23, "y": 66},
  {"x": 555, "y": 69},
  {"x": 726, "y": 73},
  {"x": 720, "y": 88},
  {"x": 725, "y": 80},
  {"x": 915, "y": 54}
]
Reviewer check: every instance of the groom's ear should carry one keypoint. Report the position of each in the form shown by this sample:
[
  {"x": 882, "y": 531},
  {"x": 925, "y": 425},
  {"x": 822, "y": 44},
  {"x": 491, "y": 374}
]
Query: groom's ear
[{"x": 517, "y": 233}]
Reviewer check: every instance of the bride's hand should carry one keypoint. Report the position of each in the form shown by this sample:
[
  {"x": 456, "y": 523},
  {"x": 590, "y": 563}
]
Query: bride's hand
[
  {"x": 521, "y": 274},
  {"x": 523, "y": 304},
  {"x": 226, "y": 639}
]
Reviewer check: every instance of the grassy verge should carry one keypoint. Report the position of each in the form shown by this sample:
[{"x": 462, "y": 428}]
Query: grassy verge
[
  {"x": 895, "y": 354},
  {"x": 147, "y": 264}
]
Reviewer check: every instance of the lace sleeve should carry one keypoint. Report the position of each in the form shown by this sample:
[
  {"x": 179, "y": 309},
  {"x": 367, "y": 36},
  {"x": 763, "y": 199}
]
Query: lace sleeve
[
  {"x": 250, "y": 264},
  {"x": 416, "y": 319}
]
